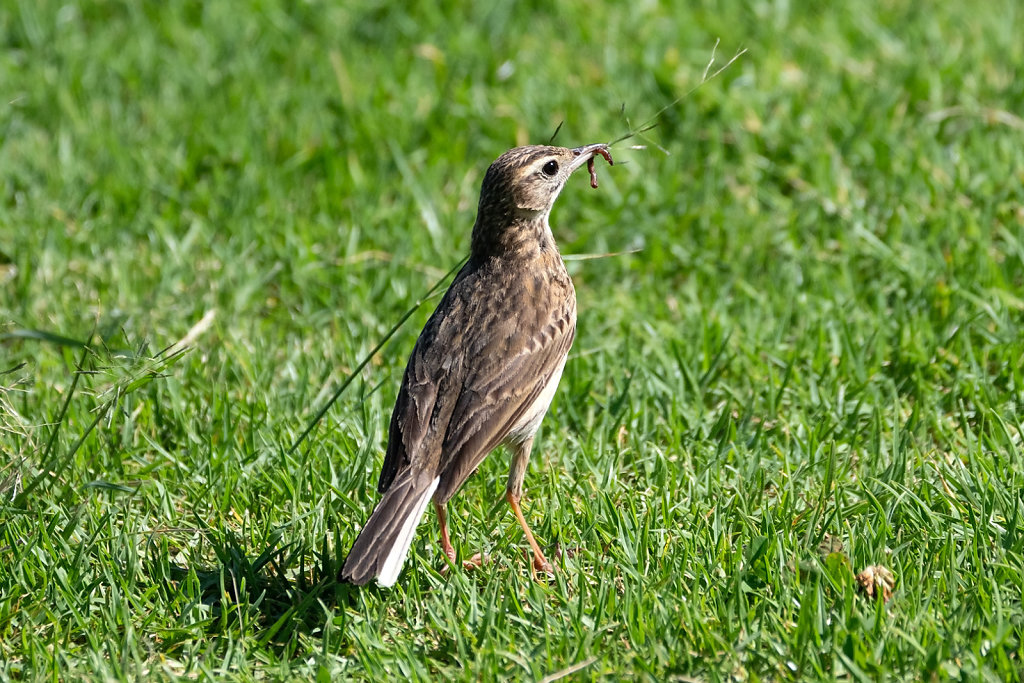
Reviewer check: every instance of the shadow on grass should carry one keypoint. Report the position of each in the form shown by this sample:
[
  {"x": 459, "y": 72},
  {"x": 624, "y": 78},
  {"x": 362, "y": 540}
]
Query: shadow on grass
[{"x": 259, "y": 587}]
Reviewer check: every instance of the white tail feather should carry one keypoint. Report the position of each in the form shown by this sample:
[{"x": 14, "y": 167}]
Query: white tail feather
[{"x": 396, "y": 558}]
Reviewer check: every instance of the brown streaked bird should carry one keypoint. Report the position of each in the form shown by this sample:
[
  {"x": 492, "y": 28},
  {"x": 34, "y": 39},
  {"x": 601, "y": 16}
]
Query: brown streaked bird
[{"x": 485, "y": 367}]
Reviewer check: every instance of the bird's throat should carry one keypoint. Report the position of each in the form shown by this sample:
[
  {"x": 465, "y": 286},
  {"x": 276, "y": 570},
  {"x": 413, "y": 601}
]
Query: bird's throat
[{"x": 524, "y": 234}]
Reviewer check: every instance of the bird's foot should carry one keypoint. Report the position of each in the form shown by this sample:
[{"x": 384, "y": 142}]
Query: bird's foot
[
  {"x": 476, "y": 562},
  {"x": 540, "y": 567}
]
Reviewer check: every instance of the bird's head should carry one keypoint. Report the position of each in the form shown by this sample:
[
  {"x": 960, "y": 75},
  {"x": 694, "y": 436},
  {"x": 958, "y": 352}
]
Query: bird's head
[
  {"x": 527, "y": 180},
  {"x": 520, "y": 188}
]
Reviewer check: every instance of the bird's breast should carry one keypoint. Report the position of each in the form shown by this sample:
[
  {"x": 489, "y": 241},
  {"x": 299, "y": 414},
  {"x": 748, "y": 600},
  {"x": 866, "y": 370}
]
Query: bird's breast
[{"x": 527, "y": 425}]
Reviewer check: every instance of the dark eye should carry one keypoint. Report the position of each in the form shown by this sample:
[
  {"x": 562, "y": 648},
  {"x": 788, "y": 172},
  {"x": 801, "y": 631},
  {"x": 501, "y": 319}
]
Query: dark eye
[{"x": 550, "y": 168}]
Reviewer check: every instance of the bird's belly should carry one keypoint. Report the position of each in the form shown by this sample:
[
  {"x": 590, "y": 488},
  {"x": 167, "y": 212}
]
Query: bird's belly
[{"x": 526, "y": 426}]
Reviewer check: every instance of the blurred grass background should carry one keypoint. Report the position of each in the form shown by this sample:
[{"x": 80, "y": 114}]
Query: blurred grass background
[{"x": 811, "y": 365}]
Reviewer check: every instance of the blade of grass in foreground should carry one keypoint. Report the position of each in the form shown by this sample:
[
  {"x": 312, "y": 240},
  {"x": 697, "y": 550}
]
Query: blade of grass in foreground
[
  {"x": 46, "y": 471},
  {"x": 366, "y": 359}
]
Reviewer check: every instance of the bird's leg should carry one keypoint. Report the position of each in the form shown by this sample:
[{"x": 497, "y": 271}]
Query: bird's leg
[
  {"x": 446, "y": 542},
  {"x": 540, "y": 563},
  {"x": 514, "y": 493}
]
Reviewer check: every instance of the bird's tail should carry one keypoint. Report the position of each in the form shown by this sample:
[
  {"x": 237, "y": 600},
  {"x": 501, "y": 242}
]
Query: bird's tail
[{"x": 382, "y": 545}]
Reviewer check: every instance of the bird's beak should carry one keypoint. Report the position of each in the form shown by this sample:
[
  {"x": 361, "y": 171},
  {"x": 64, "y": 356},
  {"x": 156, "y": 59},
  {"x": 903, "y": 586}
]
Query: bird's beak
[{"x": 587, "y": 152}]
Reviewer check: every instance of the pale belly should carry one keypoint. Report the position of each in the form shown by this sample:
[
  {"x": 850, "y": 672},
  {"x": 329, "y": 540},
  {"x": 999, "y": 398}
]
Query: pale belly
[{"x": 526, "y": 426}]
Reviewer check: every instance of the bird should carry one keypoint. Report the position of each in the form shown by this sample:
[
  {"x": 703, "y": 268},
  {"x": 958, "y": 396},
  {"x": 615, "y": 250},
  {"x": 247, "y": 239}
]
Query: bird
[{"x": 485, "y": 367}]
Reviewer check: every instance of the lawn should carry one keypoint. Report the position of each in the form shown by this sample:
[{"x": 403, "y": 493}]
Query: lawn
[{"x": 799, "y": 351}]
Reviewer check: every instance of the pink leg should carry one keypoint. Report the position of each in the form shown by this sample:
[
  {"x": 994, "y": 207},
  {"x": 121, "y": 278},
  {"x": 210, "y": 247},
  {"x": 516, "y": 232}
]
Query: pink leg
[
  {"x": 514, "y": 493},
  {"x": 474, "y": 562},
  {"x": 540, "y": 563},
  {"x": 446, "y": 542}
]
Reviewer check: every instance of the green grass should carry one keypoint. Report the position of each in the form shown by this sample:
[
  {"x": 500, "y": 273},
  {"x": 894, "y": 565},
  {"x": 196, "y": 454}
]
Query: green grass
[{"x": 818, "y": 342}]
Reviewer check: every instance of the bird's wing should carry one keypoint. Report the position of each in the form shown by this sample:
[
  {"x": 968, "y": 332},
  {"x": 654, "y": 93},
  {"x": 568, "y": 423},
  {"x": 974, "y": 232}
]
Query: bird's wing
[
  {"x": 502, "y": 390},
  {"x": 413, "y": 428},
  {"x": 466, "y": 386}
]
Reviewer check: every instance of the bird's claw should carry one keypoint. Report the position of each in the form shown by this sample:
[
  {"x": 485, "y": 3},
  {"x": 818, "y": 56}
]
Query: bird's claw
[{"x": 478, "y": 561}]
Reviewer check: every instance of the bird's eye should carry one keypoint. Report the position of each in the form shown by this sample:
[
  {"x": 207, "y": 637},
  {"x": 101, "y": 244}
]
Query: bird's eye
[{"x": 550, "y": 168}]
